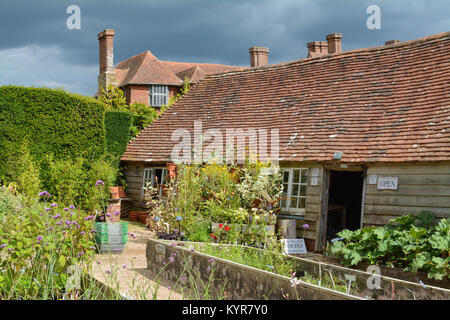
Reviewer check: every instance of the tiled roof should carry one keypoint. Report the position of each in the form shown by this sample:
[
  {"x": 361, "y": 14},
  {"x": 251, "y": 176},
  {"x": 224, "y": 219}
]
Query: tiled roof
[
  {"x": 381, "y": 104},
  {"x": 145, "y": 68}
]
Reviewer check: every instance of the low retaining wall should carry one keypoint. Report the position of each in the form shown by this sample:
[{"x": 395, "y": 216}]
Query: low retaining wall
[{"x": 239, "y": 282}]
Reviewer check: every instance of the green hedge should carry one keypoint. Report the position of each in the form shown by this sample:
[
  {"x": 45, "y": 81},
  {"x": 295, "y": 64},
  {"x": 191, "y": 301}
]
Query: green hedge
[
  {"x": 118, "y": 132},
  {"x": 56, "y": 122}
]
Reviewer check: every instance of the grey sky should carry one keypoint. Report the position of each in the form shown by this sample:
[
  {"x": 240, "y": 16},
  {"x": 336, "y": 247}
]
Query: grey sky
[{"x": 37, "y": 49}]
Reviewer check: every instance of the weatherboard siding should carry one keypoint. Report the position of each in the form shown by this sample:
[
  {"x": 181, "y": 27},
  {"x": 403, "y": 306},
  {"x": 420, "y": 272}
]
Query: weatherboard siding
[{"x": 421, "y": 187}]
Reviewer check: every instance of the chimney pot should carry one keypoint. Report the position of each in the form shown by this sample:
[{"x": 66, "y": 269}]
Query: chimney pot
[
  {"x": 334, "y": 42},
  {"x": 317, "y": 48},
  {"x": 388, "y": 43},
  {"x": 259, "y": 56}
]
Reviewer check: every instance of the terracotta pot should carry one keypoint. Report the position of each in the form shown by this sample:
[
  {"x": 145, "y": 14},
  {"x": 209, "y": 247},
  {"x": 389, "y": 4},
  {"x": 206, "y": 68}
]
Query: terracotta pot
[
  {"x": 114, "y": 192},
  {"x": 143, "y": 218},
  {"x": 171, "y": 167},
  {"x": 134, "y": 215},
  {"x": 117, "y": 192}
]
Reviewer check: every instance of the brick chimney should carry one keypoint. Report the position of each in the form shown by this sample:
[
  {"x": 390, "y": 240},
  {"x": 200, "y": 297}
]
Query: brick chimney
[
  {"x": 259, "y": 56},
  {"x": 390, "y": 42},
  {"x": 107, "y": 75},
  {"x": 334, "y": 42},
  {"x": 317, "y": 48}
]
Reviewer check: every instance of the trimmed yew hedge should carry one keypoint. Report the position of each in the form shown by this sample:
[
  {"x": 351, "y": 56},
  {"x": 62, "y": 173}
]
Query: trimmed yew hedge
[
  {"x": 118, "y": 132},
  {"x": 56, "y": 122}
]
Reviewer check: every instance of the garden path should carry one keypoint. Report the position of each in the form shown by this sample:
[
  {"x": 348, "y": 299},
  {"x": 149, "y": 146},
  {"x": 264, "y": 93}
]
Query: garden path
[{"x": 129, "y": 272}]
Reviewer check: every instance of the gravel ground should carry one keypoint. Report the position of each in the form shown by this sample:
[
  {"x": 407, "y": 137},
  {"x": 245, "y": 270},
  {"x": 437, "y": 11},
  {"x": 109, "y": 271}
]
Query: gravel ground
[{"x": 129, "y": 272}]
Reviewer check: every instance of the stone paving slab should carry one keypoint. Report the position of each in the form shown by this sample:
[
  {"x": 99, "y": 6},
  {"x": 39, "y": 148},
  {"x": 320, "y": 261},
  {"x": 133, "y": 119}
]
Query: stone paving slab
[{"x": 129, "y": 270}]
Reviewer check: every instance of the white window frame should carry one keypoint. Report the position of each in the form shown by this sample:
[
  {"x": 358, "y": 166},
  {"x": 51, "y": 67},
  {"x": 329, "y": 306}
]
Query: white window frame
[
  {"x": 287, "y": 208},
  {"x": 149, "y": 175},
  {"x": 158, "y": 95}
]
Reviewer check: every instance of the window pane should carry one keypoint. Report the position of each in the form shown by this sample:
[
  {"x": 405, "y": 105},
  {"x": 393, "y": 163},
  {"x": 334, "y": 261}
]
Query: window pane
[
  {"x": 296, "y": 177},
  {"x": 303, "y": 191},
  {"x": 302, "y": 203},
  {"x": 293, "y": 202},
  {"x": 304, "y": 178},
  {"x": 285, "y": 176},
  {"x": 295, "y": 190},
  {"x": 283, "y": 203}
]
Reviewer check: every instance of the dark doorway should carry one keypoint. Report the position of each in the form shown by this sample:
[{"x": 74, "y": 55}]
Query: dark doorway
[{"x": 344, "y": 202}]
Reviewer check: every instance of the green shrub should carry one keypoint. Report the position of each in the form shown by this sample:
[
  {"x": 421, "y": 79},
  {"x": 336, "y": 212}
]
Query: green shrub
[
  {"x": 408, "y": 242},
  {"x": 118, "y": 132},
  {"x": 38, "y": 244},
  {"x": 143, "y": 115},
  {"x": 72, "y": 181},
  {"x": 26, "y": 174},
  {"x": 55, "y": 122}
]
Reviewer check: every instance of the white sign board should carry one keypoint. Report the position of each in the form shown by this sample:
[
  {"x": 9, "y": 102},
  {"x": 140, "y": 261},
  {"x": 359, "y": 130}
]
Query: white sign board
[
  {"x": 293, "y": 246},
  {"x": 373, "y": 179},
  {"x": 387, "y": 183}
]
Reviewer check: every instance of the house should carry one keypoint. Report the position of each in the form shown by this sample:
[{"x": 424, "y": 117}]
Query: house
[
  {"x": 364, "y": 135},
  {"x": 143, "y": 78}
]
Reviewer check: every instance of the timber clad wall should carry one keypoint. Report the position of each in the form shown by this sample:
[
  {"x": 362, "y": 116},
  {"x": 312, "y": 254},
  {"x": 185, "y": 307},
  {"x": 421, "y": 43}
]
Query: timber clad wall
[
  {"x": 133, "y": 173},
  {"x": 420, "y": 187}
]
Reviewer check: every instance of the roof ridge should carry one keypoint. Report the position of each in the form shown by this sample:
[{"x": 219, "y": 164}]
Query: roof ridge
[{"x": 329, "y": 55}]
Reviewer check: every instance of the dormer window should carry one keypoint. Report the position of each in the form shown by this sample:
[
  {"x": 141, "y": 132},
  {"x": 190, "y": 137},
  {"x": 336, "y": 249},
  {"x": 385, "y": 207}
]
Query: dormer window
[{"x": 159, "y": 95}]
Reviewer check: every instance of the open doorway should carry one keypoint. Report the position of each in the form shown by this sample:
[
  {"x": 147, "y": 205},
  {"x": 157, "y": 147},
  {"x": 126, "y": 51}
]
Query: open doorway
[{"x": 344, "y": 202}]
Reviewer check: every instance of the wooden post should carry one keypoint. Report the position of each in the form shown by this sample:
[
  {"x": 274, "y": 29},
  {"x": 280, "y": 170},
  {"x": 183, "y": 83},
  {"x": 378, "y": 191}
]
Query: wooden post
[{"x": 322, "y": 230}]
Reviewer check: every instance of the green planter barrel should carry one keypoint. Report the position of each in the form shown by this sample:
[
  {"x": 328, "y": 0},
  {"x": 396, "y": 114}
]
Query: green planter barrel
[{"x": 111, "y": 237}]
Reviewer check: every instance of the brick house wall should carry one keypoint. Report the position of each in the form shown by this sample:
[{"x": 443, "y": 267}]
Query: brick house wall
[{"x": 139, "y": 93}]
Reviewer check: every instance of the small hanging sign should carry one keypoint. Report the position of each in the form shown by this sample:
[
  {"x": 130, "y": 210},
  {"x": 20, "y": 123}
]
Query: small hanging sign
[{"x": 293, "y": 246}]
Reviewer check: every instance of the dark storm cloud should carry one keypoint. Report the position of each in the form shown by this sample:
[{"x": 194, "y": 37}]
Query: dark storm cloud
[{"x": 201, "y": 30}]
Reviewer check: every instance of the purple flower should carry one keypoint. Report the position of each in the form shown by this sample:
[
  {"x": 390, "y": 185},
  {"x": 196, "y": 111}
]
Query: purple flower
[
  {"x": 92, "y": 248},
  {"x": 92, "y": 231},
  {"x": 72, "y": 207},
  {"x": 192, "y": 250},
  {"x": 88, "y": 218},
  {"x": 44, "y": 194},
  {"x": 76, "y": 223},
  {"x": 68, "y": 222},
  {"x": 108, "y": 271},
  {"x": 175, "y": 230},
  {"x": 116, "y": 213},
  {"x": 164, "y": 263},
  {"x": 102, "y": 218},
  {"x": 98, "y": 262},
  {"x": 108, "y": 215},
  {"x": 2, "y": 246},
  {"x": 174, "y": 254},
  {"x": 47, "y": 209},
  {"x": 64, "y": 232},
  {"x": 169, "y": 287},
  {"x": 66, "y": 209},
  {"x": 171, "y": 259},
  {"x": 59, "y": 223},
  {"x": 211, "y": 260},
  {"x": 220, "y": 248},
  {"x": 39, "y": 238},
  {"x": 208, "y": 269},
  {"x": 54, "y": 205},
  {"x": 80, "y": 254},
  {"x": 82, "y": 232},
  {"x": 57, "y": 216},
  {"x": 99, "y": 183},
  {"x": 183, "y": 278},
  {"x": 124, "y": 266},
  {"x": 306, "y": 226}
]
